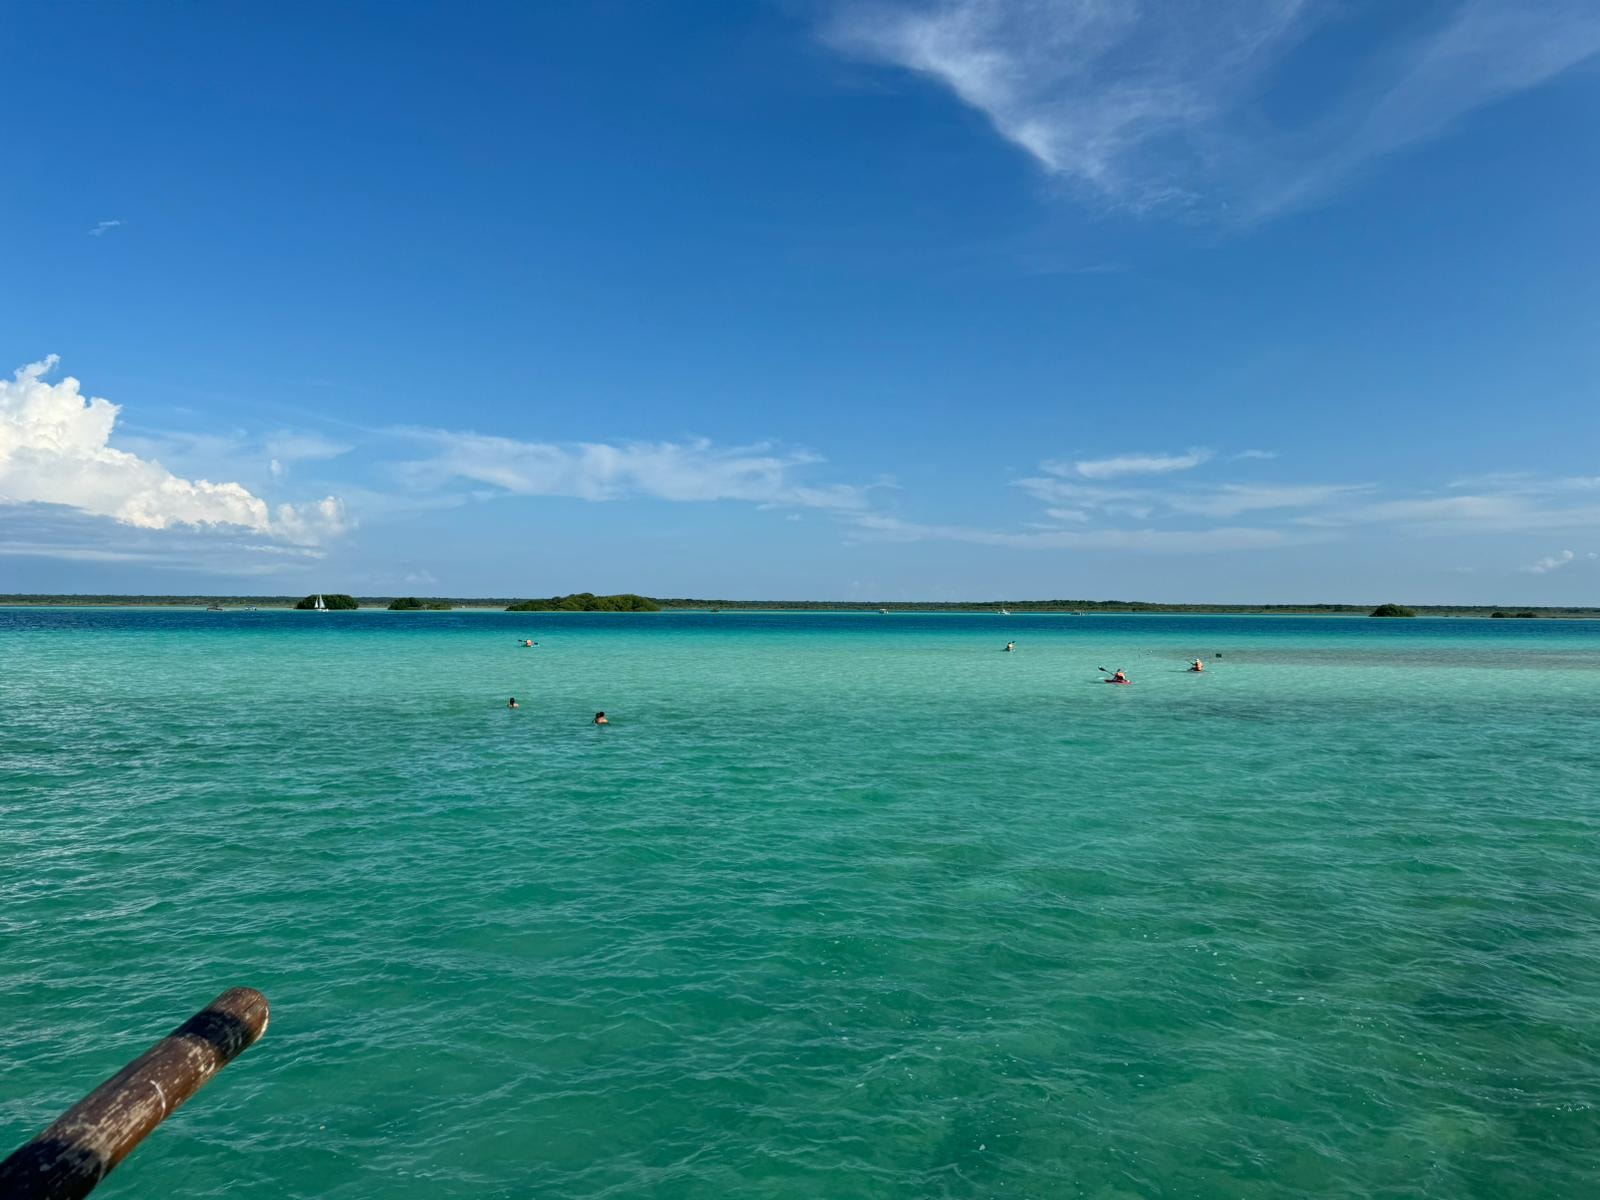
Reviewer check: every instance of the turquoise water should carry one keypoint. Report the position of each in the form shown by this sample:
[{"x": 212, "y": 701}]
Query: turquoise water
[{"x": 839, "y": 905}]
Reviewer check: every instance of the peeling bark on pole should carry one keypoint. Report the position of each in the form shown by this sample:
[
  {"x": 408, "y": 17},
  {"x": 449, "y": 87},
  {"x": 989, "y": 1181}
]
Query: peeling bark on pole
[{"x": 74, "y": 1154}]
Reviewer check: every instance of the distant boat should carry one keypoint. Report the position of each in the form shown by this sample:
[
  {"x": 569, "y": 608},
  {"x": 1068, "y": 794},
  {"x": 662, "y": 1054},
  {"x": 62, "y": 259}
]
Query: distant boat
[
  {"x": 214, "y": 608},
  {"x": 1005, "y": 612},
  {"x": 319, "y": 606},
  {"x": 884, "y": 611}
]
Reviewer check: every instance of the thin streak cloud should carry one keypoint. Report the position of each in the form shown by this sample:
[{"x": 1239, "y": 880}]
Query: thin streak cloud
[
  {"x": 1553, "y": 563},
  {"x": 1129, "y": 464},
  {"x": 1146, "y": 107},
  {"x": 695, "y": 470},
  {"x": 877, "y": 527}
]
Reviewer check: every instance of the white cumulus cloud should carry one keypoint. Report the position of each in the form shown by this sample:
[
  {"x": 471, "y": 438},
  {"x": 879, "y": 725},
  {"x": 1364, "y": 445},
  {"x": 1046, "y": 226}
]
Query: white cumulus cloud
[
  {"x": 312, "y": 523},
  {"x": 55, "y": 448}
]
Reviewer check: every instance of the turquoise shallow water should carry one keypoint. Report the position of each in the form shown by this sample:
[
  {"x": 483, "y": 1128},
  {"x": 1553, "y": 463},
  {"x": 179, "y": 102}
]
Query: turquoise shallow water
[{"x": 839, "y": 906}]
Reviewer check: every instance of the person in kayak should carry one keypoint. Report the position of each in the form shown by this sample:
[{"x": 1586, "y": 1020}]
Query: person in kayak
[
  {"x": 1198, "y": 665},
  {"x": 1117, "y": 677}
]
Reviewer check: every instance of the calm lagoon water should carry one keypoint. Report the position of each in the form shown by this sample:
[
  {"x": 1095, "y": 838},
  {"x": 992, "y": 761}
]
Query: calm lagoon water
[{"x": 840, "y": 905}]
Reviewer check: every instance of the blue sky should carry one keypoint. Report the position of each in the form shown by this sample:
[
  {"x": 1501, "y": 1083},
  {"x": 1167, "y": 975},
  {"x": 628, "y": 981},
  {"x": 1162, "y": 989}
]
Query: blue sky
[{"x": 1257, "y": 300}]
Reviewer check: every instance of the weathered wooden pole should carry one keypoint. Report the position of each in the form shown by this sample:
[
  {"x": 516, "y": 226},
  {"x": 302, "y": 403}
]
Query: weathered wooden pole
[{"x": 69, "y": 1158}]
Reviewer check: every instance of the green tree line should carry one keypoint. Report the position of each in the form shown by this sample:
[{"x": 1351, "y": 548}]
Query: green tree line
[{"x": 588, "y": 602}]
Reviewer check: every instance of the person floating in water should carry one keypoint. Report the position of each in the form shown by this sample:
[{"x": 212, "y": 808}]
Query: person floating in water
[
  {"x": 1198, "y": 665},
  {"x": 600, "y": 719},
  {"x": 512, "y": 703},
  {"x": 1010, "y": 646}
]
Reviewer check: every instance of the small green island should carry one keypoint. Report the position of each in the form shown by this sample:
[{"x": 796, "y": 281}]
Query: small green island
[
  {"x": 1392, "y": 610},
  {"x": 333, "y": 601},
  {"x": 587, "y": 602},
  {"x": 412, "y": 604}
]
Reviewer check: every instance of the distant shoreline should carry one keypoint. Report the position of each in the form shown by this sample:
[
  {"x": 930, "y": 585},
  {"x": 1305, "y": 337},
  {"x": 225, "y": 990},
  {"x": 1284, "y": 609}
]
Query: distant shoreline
[{"x": 711, "y": 607}]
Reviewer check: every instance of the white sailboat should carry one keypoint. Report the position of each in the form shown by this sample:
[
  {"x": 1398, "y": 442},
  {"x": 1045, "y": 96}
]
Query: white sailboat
[
  {"x": 319, "y": 606},
  {"x": 1005, "y": 612}
]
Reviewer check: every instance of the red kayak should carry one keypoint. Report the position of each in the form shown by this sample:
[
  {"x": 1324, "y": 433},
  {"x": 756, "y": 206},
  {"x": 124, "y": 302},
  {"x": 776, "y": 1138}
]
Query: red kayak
[{"x": 1116, "y": 681}]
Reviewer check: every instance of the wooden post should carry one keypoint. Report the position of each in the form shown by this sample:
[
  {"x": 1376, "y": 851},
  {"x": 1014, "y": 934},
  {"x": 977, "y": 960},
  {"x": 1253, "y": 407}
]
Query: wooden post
[{"x": 69, "y": 1158}]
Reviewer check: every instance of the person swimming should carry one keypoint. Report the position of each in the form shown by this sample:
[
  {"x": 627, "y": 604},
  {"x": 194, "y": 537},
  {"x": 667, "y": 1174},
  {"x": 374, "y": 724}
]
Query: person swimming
[
  {"x": 600, "y": 719},
  {"x": 1010, "y": 646},
  {"x": 1198, "y": 665},
  {"x": 512, "y": 703}
]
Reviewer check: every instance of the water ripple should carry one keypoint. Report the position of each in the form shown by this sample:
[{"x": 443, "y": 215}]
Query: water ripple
[{"x": 838, "y": 906}]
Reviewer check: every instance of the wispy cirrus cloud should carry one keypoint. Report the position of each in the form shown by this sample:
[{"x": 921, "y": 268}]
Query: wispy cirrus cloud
[
  {"x": 880, "y": 527},
  {"x": 103, "y": 227},
  {"x": 1102, "y": 491},
  {"x": 56, "y": 449},
  {"x": 1148, "y": 106},
  {"x": 1485, "y": 51},
  {"x": 1071, "y": 500},
  {"x": 1078, "y": 503},
  {"x": 1231, "y": 499},
  {"x": 1106, "y": 95},
  {"x": 288, "y": 447},
  {"x": 1524, "y": 509},
  {"x": 1526, "y": 483},
  {"x": 237, "y": 451},
  {"x": 693, "y": 470},
  {"x": 1088, "y": 507}
]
